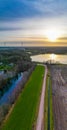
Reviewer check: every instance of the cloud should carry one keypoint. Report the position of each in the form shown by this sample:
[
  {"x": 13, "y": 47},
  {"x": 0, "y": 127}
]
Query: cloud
[
  {"x": 9, "y": 29},
  {"x": 15, "y": 9},
  {"x": 31, "y": 18},
  {"x": 51, "y": 7},
  {"x": 32, "y": 27}
]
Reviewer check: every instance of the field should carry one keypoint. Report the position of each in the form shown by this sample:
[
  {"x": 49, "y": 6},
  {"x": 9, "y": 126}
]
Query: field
[
  {"x": 59, "y": 93},
  {"x": 24, "y": 114}
]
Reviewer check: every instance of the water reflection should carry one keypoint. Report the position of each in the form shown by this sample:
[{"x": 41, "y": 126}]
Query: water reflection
[
  {"x": 47, "y": 57},
  {"x": 5, "y": 98},
  {"x": 53, "y": 56}
]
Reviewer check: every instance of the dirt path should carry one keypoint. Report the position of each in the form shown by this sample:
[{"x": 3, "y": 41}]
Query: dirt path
[{"x": 41, "y": 107}]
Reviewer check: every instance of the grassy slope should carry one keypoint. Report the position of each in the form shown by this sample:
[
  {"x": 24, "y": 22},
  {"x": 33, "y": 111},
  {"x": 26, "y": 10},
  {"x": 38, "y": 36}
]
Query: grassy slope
[
  {"x": 24, "y": 112},
  {"x": 51, "y": 122},
  {"x": 46, "y": 106},
  {"x": 51, "y": 108}
]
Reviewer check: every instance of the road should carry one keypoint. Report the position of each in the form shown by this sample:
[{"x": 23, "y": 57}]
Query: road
[{"x": 41, "y": 106}]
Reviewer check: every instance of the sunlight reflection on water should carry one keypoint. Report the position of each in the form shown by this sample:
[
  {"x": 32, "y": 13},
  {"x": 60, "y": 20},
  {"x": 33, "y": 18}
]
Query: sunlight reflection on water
[{"x": 46, "y": 57}]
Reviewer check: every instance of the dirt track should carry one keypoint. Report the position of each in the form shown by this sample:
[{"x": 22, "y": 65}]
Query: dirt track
[
  {"x": 59, "y": 92},
  {"x": 39, "y": 125}
]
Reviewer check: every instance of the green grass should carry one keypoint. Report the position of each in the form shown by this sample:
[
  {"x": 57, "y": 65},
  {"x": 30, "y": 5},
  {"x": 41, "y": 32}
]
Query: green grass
[
  {"x": 24, "y": 113},
  {"x": 49, "y": 121},
  {"x": 6, "y": 67},
  {"x": 51, "y": 108},
  {"x": 46, "y": 106},
  {"x": 51, "y": 112}
]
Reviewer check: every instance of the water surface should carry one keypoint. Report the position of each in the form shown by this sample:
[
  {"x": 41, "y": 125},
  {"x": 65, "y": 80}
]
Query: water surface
[
  {"x": 46, "y": 57},
  {"x": 5, "y": 97}
]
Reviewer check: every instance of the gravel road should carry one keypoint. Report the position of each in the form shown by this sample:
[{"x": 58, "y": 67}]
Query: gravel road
[{"x": 39, "y": 125}]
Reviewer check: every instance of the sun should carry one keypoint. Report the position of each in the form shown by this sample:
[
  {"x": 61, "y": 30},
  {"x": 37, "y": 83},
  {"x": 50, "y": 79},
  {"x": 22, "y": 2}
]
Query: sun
[{"x": 52, "y": 34}]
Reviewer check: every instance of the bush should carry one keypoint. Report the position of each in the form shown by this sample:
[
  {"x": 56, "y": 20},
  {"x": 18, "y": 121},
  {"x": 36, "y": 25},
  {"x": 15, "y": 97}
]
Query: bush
[{"x": 3, "y": 111}]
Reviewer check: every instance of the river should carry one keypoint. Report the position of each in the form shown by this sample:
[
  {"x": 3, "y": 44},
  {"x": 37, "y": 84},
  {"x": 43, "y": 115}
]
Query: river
[{"x": 4, "y": 98}]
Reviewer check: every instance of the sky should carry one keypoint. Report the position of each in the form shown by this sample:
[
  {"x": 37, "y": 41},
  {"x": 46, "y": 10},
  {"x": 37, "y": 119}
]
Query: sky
[{"x": 36, "y": 22}]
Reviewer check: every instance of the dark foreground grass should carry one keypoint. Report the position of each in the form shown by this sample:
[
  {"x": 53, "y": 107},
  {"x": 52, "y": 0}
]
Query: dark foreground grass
[{"x": 24, "y": 112}]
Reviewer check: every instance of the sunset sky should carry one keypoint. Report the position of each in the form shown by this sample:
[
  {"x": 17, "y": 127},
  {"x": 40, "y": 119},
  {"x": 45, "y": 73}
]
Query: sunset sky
[{"x": 38, "y": 22}]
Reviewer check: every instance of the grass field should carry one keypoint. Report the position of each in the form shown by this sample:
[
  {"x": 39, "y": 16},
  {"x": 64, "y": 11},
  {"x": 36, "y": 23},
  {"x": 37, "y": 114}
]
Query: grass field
[
  {"x": 49, "y": 122},
  {"x": 24, "y": 113}
]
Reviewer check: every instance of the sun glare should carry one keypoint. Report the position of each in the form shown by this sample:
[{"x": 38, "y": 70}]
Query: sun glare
[
  {"x": 52, "y": 34},
  {"x": 53, "y": 56}
]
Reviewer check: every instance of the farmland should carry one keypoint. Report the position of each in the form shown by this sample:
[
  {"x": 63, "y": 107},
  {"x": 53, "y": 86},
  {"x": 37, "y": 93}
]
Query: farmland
[
  {"x": 59, "y": 94},
  {"x": 24, "y": 114}
]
